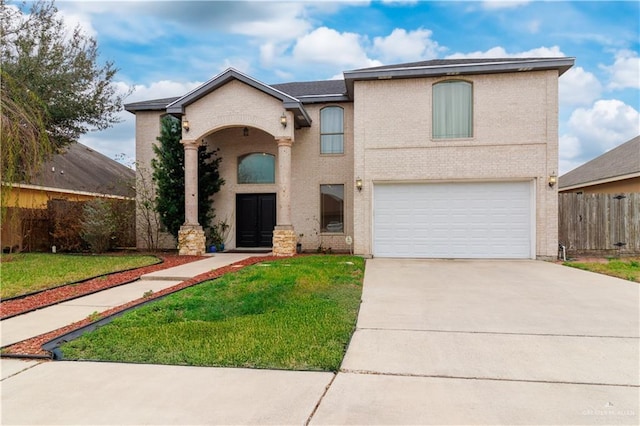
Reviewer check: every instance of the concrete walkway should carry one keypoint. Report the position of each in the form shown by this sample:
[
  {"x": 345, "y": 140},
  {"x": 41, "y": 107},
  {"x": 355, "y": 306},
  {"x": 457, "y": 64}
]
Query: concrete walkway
[
  {"x": 44, "y": 320},
  {"x": 437, "y": 342}
]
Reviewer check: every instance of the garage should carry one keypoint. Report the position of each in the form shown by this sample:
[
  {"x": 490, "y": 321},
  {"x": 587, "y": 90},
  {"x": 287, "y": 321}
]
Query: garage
[{"x": 453, "y": 220}]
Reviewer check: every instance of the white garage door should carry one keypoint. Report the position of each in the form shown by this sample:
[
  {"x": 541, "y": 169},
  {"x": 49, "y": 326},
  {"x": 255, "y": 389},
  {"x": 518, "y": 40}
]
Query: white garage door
[{"x": 453, "y": 220}]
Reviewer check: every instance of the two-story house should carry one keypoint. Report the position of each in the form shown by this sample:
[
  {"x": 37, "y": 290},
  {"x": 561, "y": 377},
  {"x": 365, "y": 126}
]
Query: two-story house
[{"x": 436, "y": 159}]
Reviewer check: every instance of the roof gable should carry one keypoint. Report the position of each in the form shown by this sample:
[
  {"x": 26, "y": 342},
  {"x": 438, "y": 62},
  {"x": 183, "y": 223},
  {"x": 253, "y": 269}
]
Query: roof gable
[
  {"x": 620, "y": 162},
  {"x": 289, "y": 102}
]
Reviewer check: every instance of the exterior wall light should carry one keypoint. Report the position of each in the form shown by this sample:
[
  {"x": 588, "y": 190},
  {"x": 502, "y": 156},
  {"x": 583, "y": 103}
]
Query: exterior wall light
[
  {"x": 359, "y": 184},
  {"x": 185, "y": 124},
  {"x": 283, "y": 120},
  {"x": 552, "y": 180}
]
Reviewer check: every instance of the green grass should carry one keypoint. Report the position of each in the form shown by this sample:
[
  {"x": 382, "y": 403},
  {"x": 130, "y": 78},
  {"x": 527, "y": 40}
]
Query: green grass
[
  {"x": 628, "y": 269},
  {"x": 296, "y": 313},
  {"x": 27, "y": 272}
]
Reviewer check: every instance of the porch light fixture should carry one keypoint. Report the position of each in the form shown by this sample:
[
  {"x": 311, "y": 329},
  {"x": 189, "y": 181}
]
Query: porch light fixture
[
  {"x": 245, "y": 131},
  {"x": 185, "y": 124},
  {"x": 359, "y": 184},
  {"x": 283, "y": 120},
  {"x": 552, "y": 180}
]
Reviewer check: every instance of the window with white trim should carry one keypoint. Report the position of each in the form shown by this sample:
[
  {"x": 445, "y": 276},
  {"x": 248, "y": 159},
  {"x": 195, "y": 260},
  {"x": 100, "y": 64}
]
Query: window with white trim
[
  {"x": 332, "y": 208},
  {"x": 452, "y": 109},
  {"x": 332, "y": 130}
]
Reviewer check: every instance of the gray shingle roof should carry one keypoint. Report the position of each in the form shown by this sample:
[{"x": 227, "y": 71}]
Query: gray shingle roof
[
  {"x": 621, "y": 161},
  {"x": 342, "y": 90},
  {"x": 312, "y": 88},
  {"x": 302, "y": 90},
  {"x": 80, "y": 168}
]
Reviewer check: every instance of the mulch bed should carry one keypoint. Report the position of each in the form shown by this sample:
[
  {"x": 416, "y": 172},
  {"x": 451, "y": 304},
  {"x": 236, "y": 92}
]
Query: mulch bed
[
  {"x": 33, "y": 347},
  {"x": 13, "y": 307}
]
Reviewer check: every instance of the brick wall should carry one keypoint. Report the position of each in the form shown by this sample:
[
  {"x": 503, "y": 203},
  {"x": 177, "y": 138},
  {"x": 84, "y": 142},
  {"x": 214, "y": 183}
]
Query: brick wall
[{"x": 515, "y": 137}]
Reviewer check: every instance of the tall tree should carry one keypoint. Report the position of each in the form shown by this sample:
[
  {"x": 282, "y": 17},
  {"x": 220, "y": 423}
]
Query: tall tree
[
  {"x": 52, "y": 84},
  {"x": 168, "y": 173}
]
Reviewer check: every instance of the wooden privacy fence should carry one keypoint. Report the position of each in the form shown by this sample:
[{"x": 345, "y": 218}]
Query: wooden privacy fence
[{"x": 599, "y": 224}]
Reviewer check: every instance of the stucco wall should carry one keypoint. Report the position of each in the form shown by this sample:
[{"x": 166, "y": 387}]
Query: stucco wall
[{"x": 515, "y": 137}]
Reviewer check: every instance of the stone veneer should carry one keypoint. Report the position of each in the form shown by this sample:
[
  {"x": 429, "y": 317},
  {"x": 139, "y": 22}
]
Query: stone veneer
[
  {"x": 191, "y": 240},
  {"x": 284, "y": 241}
]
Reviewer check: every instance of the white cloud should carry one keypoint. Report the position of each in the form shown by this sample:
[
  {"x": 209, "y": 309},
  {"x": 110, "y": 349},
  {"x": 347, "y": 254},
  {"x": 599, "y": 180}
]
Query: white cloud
[
  {"x": 579, "y": 87},
  {"x": 159, "y": 89},
  {"x": 81, "y": 20},
  {"x": 595, "y": 130},
  {"x": 504, "y": 4},
  {"x": 282, "y": 21},
  {"x": 500, "y": 52},
  {"x": 403, "y": 46},
  {"x": 625, "y": 71},
  {"x": 328, "y": 46}
]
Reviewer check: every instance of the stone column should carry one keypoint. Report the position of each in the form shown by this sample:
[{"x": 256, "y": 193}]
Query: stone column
[
  {"x": 191, "y": 240},
  {"x": 284, "y": 236}
]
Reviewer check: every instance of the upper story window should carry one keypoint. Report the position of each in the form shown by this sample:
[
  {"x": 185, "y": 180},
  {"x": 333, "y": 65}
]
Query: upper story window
[
  {"x": 257, "y": 168},
  {"x": 332, "y": 130},
  {"x": 452, "y": 109}
]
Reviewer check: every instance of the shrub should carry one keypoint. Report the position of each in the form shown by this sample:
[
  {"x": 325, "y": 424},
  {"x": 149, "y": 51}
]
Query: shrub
[{"x": 98, "y": 225}]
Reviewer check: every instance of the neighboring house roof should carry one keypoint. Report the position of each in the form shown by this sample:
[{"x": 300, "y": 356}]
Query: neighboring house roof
[
  {"x": 80, "y": 169},
  {"x": 622, "y": 162},
  {"x": 299, "y": 93}
]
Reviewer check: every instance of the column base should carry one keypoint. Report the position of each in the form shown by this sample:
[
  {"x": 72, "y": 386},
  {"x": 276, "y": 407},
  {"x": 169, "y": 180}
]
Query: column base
[
  {"x": 191, "y": 240},
  {"x": 284, "y": 240}
]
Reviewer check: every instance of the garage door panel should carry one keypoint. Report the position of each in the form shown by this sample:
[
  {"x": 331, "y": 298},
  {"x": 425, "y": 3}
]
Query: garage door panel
[{"x": 463, "y": 220}]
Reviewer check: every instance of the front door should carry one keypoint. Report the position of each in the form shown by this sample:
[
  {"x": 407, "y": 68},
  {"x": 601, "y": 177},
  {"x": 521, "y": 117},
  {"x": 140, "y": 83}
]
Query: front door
[{"x": 256, "y": 218}]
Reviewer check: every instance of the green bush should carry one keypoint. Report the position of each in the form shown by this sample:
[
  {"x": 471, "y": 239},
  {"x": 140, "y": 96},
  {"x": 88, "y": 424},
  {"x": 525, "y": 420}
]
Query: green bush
[{"x": 98, "y": 225}]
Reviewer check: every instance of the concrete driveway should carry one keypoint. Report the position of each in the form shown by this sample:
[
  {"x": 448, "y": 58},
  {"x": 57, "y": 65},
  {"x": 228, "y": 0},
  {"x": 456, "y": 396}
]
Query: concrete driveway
[{"x": 489, "y": 342}]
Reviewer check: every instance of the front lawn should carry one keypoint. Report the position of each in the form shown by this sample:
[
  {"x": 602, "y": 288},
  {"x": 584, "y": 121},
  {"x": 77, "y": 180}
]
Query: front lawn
[
  {"x": 28, "y": 272},
  {"x": 628, "y": 269},
  {"x": 297, "y": 313}
]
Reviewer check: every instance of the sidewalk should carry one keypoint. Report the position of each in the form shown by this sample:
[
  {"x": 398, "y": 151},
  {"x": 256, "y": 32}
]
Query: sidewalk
[{"x": 44, "y": 320}]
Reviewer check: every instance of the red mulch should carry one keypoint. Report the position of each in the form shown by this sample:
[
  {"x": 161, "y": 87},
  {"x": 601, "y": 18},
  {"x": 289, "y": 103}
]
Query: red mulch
[
  {"x": 10, "y": 308},
  {"x": 33, "y": 346}
]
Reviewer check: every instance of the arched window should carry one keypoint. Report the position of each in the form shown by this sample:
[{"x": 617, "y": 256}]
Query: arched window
[
  {"x": 452, "y": 109},
  {"x": 332, "y": 130},
  {"x": 257, "y": 168}
]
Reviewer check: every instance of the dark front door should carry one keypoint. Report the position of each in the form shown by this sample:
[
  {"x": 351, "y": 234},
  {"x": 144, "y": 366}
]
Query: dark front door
[{"x": 256, "y": 218}]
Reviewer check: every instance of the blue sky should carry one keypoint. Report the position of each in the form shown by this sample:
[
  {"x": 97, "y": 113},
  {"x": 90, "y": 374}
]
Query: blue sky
[{"x": 165, "y": 48}]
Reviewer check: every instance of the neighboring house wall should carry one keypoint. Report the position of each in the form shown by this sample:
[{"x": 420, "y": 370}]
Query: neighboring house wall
[
  {"x": 515, "y": 138},
  {"x": 619, "y": 186},
  {"x": 36, "y": 198}
]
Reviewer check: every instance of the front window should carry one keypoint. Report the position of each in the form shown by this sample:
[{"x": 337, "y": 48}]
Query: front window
[
  {"x": 452, "y": 110},
  {"x": 257, "y": 168},
  {"x": 332, "y": 130},
  {"x": 332, "y": 208}
]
